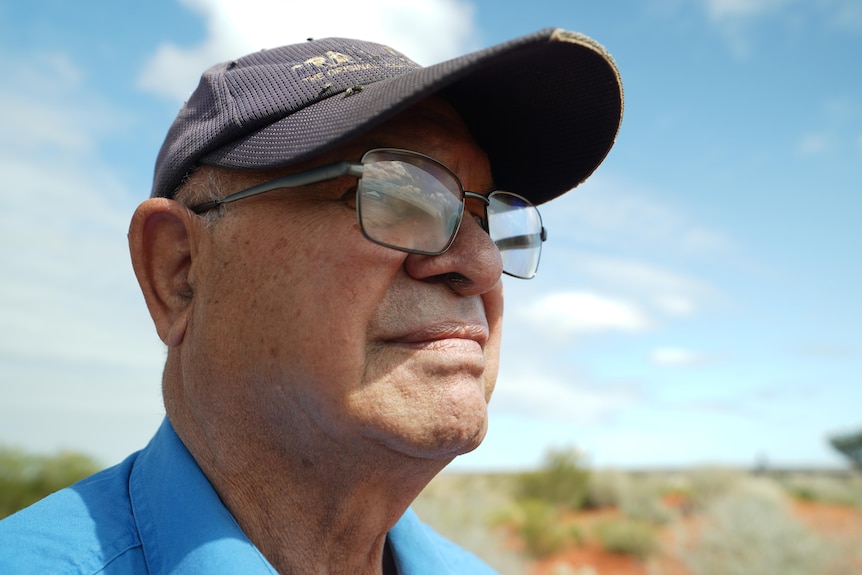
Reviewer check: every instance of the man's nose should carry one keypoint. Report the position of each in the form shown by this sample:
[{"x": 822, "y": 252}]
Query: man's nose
[{"x": 471, "y": 266}]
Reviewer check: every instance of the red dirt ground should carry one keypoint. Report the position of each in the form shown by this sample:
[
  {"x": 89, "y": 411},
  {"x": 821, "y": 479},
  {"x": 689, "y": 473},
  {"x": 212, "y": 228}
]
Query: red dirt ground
[{"x": 836, "y": 523}]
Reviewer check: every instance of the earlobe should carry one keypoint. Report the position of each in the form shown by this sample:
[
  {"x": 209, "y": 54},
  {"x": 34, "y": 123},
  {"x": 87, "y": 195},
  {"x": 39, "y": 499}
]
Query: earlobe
[{"x": 161, "y": 243}]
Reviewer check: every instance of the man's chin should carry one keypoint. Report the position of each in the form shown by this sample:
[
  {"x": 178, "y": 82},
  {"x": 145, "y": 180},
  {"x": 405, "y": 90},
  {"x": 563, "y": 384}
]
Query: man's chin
[{"x": 442, "y": 444}]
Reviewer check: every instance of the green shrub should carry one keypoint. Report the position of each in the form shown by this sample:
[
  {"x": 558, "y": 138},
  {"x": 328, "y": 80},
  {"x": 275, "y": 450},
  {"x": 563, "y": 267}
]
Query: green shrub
[
  {"x": 825, "y": 489},
  {"x": 606, "y": 489},
  {"x": 27, "y": 478},
  {"x": 539, "y": 526},
  {"x": 642, "y": 501},
  {"x": 562, "y": 481},
  {"x": 749, "y": 531},
  {"x": 705, "y": 485},
  {"x": 627, "y": 537}
]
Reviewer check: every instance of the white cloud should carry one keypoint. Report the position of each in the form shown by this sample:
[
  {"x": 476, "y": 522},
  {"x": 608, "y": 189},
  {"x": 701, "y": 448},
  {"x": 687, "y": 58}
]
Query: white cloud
[
  {"x": 427, "y": 31},
  {"x": 47, "y": 109},
  {"x": 735, "y": 18},
  {"x": 677, "y": 357},
  {"x": 641, "y": 277},
  {"x": 670, "y": 293},
  {"x": 846, "y": 14},
  {"x": 724, "y": 9},
  {"x": 576, "y": 313},
  {"x": 628, "y": 293},
  {"x": 826, "y": 351},
  {"x": 812, "y": 145},
  {"x": 614, "y": 211},
  {"x": 675, "y": 305},
  {"x": 538, "y": 395},
  {"x": 838, "y": 119}
]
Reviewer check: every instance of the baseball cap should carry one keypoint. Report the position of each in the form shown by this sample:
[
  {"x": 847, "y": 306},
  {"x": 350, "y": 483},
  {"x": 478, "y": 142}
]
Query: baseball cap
[{"x": 545, "y": 107}]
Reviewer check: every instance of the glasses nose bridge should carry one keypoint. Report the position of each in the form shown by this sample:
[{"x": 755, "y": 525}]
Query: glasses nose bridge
[{"x": 485, "y": 201}]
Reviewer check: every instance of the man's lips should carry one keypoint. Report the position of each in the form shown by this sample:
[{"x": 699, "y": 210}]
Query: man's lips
[{"x": 445, "y": 335}]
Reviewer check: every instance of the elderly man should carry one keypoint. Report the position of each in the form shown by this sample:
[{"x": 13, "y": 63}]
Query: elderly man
[{"x": 322, "y": 256}]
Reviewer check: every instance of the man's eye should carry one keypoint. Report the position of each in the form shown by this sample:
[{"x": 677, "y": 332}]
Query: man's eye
[{"x": 349, "y": 197}]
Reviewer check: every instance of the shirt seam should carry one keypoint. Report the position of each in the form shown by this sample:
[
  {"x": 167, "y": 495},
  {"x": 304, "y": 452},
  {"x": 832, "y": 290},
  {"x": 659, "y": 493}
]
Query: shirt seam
[{"x": 116, "y": 556}]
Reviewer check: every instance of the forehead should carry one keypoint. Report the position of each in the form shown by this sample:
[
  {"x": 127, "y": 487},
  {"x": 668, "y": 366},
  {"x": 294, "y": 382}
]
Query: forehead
[{"x": 433, "y": 127}]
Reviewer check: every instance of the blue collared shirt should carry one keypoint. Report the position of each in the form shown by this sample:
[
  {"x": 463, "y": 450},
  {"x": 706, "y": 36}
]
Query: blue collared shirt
[{"x": 156, "y": 513}]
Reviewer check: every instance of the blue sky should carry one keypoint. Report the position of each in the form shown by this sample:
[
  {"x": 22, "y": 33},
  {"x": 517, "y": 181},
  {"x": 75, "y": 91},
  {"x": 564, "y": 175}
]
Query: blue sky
[{"x": 697, "y": 303}]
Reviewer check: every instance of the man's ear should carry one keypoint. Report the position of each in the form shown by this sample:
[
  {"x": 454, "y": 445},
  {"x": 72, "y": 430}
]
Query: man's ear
[{"x": 162, "y": 242}]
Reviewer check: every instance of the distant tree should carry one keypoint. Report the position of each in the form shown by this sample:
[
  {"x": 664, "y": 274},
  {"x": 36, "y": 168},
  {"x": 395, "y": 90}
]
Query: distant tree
[
  {"x": 850, "y": 446},
  {"x": 26, "y": 478},
  {"x": 562, "y": 481}
]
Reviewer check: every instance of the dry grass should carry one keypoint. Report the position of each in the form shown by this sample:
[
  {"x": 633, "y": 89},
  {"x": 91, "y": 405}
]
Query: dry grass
[{"x": 706, "y": 522}]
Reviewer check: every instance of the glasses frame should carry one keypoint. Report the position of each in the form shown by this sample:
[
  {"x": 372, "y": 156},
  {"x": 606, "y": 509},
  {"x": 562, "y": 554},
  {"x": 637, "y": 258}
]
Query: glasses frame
[{"x": 355, "y": 170}]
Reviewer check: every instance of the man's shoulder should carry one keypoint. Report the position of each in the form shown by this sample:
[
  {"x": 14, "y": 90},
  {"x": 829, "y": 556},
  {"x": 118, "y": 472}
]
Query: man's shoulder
[{"x": 80, "y": 529}]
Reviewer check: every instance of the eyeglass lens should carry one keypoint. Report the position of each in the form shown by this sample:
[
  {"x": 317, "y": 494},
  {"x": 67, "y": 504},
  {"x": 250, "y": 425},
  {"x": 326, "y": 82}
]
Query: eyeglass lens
[
  {"x": 413, "y": 203},
  {"x": 408, "y": 202},
  {"x": 515, "y": 225}
]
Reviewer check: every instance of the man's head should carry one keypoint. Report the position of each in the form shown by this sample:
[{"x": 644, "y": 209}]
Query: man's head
[{"x": 290, "y": 335}]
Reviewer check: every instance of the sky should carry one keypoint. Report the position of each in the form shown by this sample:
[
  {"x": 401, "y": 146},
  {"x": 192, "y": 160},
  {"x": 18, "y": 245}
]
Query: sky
[{"x": 698, "y": 300}]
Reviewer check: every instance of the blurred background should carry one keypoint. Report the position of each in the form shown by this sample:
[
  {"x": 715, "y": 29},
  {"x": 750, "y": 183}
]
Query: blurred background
[{"x": 698, "y": 298}]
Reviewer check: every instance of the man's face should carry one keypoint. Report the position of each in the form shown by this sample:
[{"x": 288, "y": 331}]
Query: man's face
[{"x": 305, "y": 334}]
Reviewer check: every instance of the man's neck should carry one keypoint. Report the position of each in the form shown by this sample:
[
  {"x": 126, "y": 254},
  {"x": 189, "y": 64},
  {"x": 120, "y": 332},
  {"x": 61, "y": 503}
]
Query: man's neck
[
  {"x": 328, "y": 514},
  {"x": 305, "y": 527}
]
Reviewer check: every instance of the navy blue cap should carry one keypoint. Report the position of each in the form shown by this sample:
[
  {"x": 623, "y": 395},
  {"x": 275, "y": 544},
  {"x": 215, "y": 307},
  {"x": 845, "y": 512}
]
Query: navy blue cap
[{"x": 546, "y": 107}]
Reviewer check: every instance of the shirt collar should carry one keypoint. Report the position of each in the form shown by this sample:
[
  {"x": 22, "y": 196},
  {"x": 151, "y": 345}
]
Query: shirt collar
[{"x": 184, "y": 527}]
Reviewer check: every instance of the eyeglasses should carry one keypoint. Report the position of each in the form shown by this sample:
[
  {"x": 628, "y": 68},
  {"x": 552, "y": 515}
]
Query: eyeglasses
[{"x": 412, "y": 203}]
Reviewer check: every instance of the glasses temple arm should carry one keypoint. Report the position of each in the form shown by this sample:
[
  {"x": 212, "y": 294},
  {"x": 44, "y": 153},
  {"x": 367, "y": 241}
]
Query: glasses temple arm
[{"x": 308, "y": 177}]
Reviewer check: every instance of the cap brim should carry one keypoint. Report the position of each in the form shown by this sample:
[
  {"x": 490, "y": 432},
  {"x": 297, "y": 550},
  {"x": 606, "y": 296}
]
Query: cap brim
[{"x": 546, "y": 109}]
